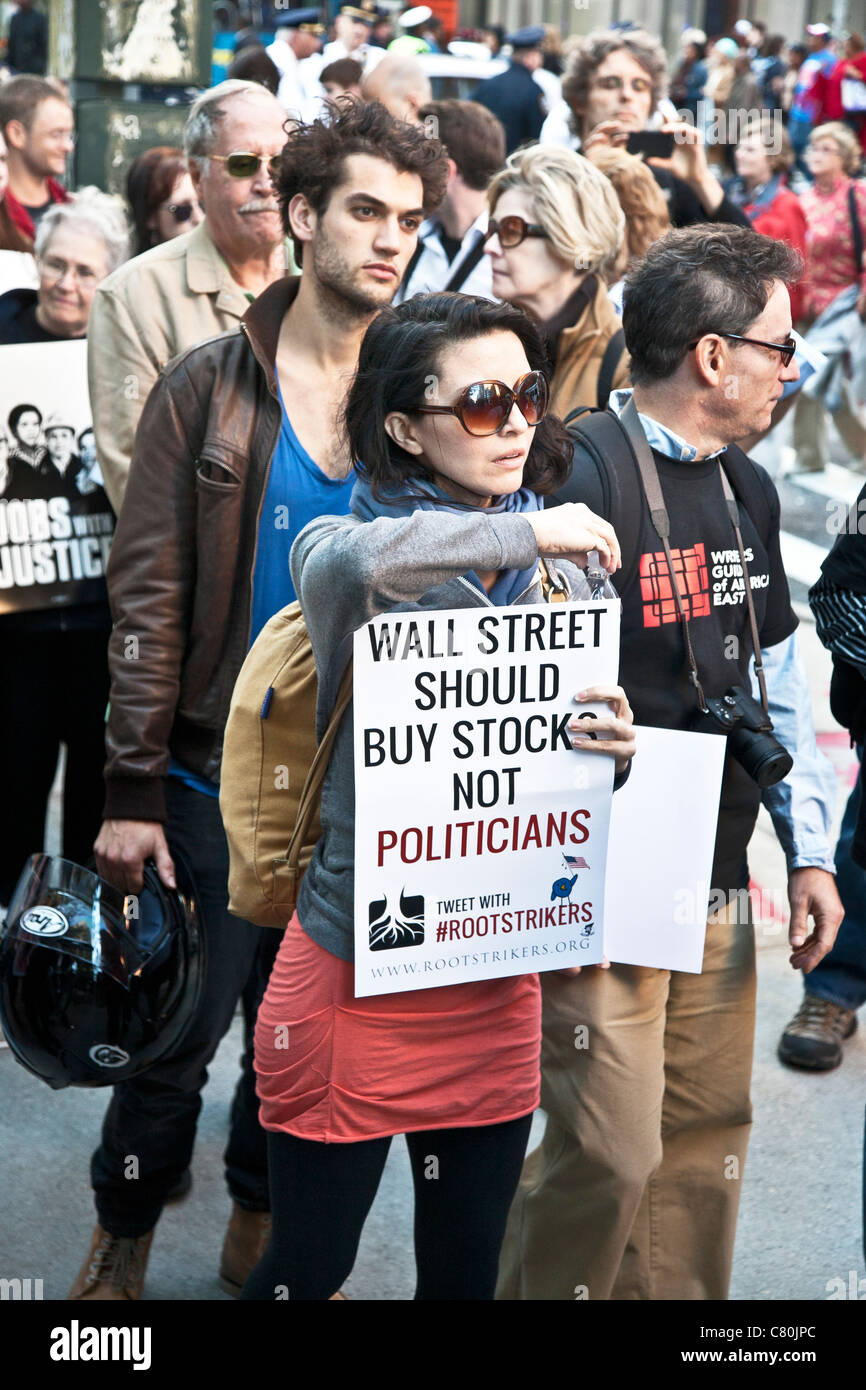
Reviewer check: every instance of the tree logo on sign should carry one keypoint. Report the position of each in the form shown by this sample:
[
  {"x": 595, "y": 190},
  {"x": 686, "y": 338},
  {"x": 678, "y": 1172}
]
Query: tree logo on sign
[{"x": 404, "y": 928}]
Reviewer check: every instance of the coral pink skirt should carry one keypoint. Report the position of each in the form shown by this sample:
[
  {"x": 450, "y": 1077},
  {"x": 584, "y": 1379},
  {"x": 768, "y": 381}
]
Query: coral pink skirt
[{"x": 338, "y": 1069}]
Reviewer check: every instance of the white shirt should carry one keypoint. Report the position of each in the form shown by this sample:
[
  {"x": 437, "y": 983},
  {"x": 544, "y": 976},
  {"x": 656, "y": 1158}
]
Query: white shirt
[
  {"x": 18, "y": 271},
  {"x": 298, "y": 89},
  {"x": 433, "y": 270}
]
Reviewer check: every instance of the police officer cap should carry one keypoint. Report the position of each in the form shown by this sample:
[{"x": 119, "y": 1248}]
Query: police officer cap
[
  {"x": 365, "y": 11},
  {"x": 307, "y": 20},
  {"x": 531, "y": 36},
  {"x": 418, "y": 15}
]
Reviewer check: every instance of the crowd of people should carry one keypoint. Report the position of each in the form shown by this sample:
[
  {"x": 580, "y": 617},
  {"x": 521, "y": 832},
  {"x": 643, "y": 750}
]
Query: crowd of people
[{"x": 263, "y": 315}]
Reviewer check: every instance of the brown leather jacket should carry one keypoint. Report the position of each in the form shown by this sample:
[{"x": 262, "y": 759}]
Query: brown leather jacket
[{"x": 181, "y": 565}]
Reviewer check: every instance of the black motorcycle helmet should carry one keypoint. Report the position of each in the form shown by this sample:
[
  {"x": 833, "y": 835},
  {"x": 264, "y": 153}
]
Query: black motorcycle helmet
[{"x": 95, "y": 987}]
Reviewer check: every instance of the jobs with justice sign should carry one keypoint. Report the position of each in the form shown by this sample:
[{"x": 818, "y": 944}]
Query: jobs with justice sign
[
  {"x": 56, "y": 523},
  {"x": 480, "y": 832}
]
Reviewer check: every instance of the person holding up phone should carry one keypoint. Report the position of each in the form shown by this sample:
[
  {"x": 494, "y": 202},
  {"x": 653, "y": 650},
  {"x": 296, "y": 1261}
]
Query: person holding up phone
[{"x": 614, "y": 87}]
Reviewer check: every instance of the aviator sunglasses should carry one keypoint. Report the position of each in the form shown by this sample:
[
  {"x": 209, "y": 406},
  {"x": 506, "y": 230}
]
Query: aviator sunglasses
[
  {"x": 512, "y": 231},
  {"x": 484, "y": 407},
  {"x": 240, "y": 164}
]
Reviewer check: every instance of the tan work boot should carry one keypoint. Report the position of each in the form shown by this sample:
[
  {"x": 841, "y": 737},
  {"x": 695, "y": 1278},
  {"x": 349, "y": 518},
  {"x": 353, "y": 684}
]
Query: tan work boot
[
  {"x": 114, "y": 1269},
  {"x": 246, "y": 1241}
]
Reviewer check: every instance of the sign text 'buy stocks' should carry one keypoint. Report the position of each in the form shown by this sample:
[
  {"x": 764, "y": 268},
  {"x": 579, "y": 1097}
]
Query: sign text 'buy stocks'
[{"x": 481, "y": 834}]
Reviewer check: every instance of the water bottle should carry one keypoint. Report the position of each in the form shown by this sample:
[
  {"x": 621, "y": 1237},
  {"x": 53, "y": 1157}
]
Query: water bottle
[{"x": 596, "y": 582}]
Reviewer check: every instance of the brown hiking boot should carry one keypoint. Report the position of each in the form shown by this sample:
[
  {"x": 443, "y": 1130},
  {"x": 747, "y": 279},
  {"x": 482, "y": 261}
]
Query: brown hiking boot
[
  {"x": 114, "y": 1269},
  {"x": 813, "y": 1039},
  {"x": 246, "y": 1241}
]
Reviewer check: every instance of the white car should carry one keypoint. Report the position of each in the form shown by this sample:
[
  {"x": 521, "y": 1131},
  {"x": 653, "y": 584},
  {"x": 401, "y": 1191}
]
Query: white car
[{"x": 453, "y": 76}]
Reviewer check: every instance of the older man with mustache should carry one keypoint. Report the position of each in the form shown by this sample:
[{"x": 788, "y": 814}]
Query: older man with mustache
[{"x": 194, "y": 286}]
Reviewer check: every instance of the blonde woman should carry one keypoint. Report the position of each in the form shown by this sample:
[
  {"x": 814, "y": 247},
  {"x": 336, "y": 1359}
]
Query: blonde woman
[
  {"x": 833, "y": 156},
  {"x": 556, "y": 232}
]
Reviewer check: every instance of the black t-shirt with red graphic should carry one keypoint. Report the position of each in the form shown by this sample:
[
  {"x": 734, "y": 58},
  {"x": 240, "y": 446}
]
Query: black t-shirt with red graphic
[{"x": 654, "y": 668}]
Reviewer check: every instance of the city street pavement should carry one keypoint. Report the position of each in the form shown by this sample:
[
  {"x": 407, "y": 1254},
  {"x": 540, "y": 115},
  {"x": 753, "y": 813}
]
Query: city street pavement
[{"x": 800, "y": 1218}]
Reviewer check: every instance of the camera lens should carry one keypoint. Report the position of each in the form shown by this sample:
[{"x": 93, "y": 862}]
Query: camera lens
[{"x": 762, "y": 756}]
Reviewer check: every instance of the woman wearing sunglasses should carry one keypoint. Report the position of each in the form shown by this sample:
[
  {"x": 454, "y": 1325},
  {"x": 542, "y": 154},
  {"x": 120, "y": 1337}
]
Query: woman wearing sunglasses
[
  {"x": 556, "y": 231},
  {"x": 161, "y": 197},
  {"x": 449, "y": 412}
]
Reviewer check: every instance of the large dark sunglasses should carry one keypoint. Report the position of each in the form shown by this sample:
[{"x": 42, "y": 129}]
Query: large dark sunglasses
[
  {"x": 484, "y": 407},
  {"x": 785, "y": 350},
  {"x": 181, "y": 212},
  {"x": 512, "y": 231},
  {"x": 242, "y": 165}
]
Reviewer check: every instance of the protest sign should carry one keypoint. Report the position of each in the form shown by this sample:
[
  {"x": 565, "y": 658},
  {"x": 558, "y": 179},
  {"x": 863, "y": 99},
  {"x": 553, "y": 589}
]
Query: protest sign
[
  {"x": 659, "y": 865},
  {"x": 480, "y": 832},
  {"x": 56, "y": 523}
]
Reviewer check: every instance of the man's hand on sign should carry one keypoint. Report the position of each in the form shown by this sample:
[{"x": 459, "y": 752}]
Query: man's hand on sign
[
  {"x": 606, "y": 733},
  {"x": 121, "y": 848},
  {"x": 567, "y": 970},
  {"x": 812, "y": 891},
  {"x": 571, "y": 531}
]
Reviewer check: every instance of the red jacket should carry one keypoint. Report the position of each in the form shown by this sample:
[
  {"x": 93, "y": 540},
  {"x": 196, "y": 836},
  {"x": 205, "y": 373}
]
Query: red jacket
[
  {"x": 784, "y": 220},
  {"x": 19, "y": 214},
  {"x": 827, "y": 91}
]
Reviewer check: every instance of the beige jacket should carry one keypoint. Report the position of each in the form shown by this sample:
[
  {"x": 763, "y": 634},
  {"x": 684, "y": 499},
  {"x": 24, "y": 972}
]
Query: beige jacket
[
  {"x": 146, "y": 312},
  {"x": 579, "y": 356}
]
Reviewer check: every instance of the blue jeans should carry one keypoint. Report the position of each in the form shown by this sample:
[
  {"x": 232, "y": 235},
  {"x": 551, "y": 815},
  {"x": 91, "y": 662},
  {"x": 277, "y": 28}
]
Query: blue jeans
[
  {"x": 841, "y": 976},
  {"x": 153, "y": 1118}
]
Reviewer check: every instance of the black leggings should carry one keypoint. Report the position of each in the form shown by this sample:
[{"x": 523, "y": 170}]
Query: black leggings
[{"x": 464, "y": 1181}]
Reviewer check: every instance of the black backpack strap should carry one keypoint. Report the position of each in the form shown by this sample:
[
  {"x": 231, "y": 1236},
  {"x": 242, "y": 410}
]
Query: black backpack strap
[
  {"x": 467, "y": 265},
  {"x": 601, "y": 437},
  {"x": 609, "y": 363}
]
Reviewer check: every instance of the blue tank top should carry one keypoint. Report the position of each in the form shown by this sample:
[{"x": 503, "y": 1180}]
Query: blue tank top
[{"x": 297, "y": 492}]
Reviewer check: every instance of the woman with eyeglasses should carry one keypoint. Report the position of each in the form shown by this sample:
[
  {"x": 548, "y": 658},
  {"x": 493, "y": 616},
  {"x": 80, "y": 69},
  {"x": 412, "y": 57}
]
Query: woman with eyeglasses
[
  {"x": 835, "y": 211},
  {"x": 53, "y": 658},
  {"x": 556, "y": 231},
  {"x": 446, "y": 513},
  {"x": 78, "y": 243},
  {"x": 161, "y": 197}
]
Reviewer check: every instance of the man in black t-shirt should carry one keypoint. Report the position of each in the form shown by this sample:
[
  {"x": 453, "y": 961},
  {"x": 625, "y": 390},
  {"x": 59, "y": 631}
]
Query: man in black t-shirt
[{"x": 633, "y": 1192}]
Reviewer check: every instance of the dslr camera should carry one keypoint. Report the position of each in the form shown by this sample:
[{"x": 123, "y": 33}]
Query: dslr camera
[{"x": 750, "y": 735}]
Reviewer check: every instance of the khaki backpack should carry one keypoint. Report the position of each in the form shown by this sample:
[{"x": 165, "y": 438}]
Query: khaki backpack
[{"x": 273, "y": 769}]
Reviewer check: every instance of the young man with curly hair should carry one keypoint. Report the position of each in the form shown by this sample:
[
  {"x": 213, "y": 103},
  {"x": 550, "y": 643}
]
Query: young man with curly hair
[{"x": 239, "y": 446}]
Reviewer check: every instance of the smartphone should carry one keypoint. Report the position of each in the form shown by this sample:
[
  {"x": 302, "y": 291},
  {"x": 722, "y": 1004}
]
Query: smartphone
[{"x": 655, "y": 144}]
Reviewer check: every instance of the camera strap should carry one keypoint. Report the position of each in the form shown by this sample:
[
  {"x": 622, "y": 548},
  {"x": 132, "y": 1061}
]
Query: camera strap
[{"x": 630, "y": 421}]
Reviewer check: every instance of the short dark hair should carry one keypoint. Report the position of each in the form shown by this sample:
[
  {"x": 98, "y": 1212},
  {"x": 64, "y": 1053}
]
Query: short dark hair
[
  {"x": 313, "y": 158},
  {"x": 15, "y": 415},
  {"x": 21, "y": 96},
  {"x": 346, "y": 72},
  {"x": 401, "y": 350},
  {"x": 473, "y": 137},
  {"x": 254, "y": 64},
  {"x": 698, "y": 280}
]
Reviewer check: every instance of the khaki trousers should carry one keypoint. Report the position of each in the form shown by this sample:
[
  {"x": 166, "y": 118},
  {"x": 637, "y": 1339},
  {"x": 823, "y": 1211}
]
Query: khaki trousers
[
  {"x": 633, "y": 1192},
  {"x": 810, "y": 431}
]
